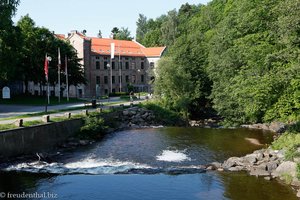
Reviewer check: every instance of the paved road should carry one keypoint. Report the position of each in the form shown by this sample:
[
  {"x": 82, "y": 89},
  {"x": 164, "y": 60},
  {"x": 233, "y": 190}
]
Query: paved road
[{"x": 15, "y": 110}]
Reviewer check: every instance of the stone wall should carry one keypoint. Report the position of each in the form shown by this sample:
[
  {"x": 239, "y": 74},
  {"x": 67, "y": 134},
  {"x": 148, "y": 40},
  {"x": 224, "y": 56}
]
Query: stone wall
[{"x": 36, "y": 138}]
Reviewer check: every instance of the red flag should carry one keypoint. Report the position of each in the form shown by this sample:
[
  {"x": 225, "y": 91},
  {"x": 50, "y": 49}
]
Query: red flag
[{"x": 46, "y": 67}]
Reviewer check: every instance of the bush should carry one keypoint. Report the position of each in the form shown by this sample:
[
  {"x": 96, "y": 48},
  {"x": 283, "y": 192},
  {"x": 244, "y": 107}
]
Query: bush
[
  {"x": 93, "y": 128},
  {"x": 163, "y": 115},
  {"x": 289, "y": 142}
]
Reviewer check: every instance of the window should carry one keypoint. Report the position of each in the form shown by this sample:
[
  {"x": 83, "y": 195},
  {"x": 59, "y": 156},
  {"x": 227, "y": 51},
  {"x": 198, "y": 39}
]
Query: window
[
  {"x": 105, "y": 79},
  {"x": 127, "y": 79},
  {"x": 98, "y": 80},
  {"x": 113, "y": 79},
  {"x": 152, "y": 65},
  {"x": 127, "y": 65},
  {"x": 113, "y": 65},
  {"x": 142, "y": 58},
  {"x": 133, "y": 78},
  {"x": 105, "y": 58},
  {"x": 97, "y": 57},
  {"x": 126, "y": 58},
  {"x": 106, "y": 91},
  {"x": 142, "y": 65},
  {"x": 97, "y": 65},
  {"x": 105, "y": 65},
  {"x": 142, "y": 78}
]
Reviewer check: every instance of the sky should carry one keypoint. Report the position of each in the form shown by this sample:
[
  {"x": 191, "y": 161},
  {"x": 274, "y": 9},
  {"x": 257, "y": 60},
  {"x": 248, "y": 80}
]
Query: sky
[{"x": 62, "y": 16}]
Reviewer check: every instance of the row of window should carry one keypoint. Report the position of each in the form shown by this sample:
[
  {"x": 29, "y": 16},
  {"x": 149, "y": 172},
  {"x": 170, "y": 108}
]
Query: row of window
[
  {"x": 118, "y": 65},
  {"x": 113, "y": 78}
]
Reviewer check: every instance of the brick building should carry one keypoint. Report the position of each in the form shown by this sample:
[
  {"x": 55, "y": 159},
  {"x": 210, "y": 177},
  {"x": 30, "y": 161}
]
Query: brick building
[{"x": 131, "y": 66}]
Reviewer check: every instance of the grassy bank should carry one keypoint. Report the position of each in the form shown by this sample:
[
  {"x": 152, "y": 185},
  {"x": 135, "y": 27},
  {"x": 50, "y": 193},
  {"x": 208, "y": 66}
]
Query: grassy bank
[{"x": 289, "y": 141}]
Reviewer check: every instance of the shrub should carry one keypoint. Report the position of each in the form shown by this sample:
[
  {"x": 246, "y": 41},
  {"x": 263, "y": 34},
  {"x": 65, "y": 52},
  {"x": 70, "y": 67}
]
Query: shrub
[
  {"x": 93, "y": 128},
  {"x": 163, "y": 115}
]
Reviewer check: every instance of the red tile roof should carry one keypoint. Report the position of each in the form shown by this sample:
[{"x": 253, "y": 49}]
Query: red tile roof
[
  {"x": 124, "y": 48},
  {"x": 153, "y": 51},
  {"x": 60, "y": 36}
]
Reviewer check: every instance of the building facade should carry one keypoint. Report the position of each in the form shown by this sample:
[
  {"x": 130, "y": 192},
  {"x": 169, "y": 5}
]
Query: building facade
[{"x": 131, "y": 67}]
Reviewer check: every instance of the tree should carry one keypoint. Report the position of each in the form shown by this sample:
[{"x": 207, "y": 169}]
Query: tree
[
  {"x": 169, "y": 28},
  {"x": 99, "y": 35},
  {"x": 114, "y": 32},
  {"x": 123, "y": 34},
  {"x": 37, "y": 42},
  {"x": 9, "y": 41},
  {"x": 141, "y": 29}
]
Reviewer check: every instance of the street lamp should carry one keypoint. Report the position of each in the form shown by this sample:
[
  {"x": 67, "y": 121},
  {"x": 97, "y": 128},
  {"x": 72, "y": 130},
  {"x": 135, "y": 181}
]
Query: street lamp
[
  {"x": 110, "y": 76},
  {"x": 139, "y": 84}
]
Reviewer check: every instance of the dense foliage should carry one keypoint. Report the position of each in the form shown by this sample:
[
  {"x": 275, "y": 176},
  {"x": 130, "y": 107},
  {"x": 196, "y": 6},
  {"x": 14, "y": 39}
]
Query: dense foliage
[
  {"x": 240, "y": 57},
  {"x": 23, "y": 48}
]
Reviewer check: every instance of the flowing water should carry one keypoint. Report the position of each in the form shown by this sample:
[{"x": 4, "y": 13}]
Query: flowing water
[{"x": 164, "y": 163}]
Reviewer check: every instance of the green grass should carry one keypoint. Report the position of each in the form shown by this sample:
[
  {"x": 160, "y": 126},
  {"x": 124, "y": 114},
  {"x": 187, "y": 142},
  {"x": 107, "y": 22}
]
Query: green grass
[
  {"x": 33, "y": 123},
  {"x": 289, "y": 141},
  {"x": 36, "y": 100},
  {"x": 58, "y": 119},
  {"x": 4, "y": 127}
]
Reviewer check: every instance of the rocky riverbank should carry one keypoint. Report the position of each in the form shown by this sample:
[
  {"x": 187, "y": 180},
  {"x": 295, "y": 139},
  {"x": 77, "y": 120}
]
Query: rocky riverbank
[
  {"x": 266, "y": 163},
  {"x": 276, "y": 127}
]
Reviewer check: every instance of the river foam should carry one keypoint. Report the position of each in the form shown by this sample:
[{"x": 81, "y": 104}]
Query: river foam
[
  {"x": 85, "y": 166},
  {"x": 173, "y": 156}
]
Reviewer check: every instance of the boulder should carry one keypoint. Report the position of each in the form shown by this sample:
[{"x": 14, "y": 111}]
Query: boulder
[
  {"x": 250, "y": 158},
  {"x": 271, "y": 166},
  {"x": 236, "y": 168},
  {"x": 298, "y": 193},
  {"x": 216, "y": 165},
  {"x": 287, "y": 167},
  {"x": 125, "y": 112},
  {"x": 277, "y": 127},
  {"x": 232, "y": 162},
  {"x": 295, "y": 182},
  {"x": 145, "y": 115},
  {"x": 84, "y": 142}
]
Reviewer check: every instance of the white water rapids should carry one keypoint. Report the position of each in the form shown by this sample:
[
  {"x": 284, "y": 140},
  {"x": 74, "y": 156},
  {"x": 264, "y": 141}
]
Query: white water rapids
[{"x": 94, "y": 166}]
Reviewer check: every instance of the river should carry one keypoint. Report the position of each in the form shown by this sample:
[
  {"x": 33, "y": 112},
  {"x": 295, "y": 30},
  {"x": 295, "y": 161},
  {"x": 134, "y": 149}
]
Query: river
[{"x": 162, "y": 163}]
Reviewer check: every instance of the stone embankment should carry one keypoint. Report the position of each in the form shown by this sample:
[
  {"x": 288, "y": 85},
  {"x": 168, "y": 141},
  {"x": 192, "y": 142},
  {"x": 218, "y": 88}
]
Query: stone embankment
[
  {"x": 266, "y": 163},
  {"x": 205, "y": 123},
  {"x": 136, "y": 117}
]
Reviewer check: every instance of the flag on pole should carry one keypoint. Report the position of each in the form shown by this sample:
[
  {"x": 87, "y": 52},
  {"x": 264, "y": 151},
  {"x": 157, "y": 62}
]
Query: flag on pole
[
  {"x": 112, "y": 50},
  {"x": 46, "y": 67}
]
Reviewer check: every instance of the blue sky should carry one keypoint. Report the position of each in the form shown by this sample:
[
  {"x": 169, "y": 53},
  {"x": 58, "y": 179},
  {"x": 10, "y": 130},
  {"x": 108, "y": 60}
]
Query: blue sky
[{"x": 62, "y": 16}]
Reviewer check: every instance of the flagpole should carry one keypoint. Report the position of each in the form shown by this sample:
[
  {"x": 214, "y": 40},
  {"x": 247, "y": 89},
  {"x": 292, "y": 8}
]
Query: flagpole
[
  {"x": 67, "y": 78},
  {"x": 46, "y": 69},
  {"x": 46, "y": 77},
  {"x": 120, "y": 69},
  {"x": 59, "y": 64}
]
